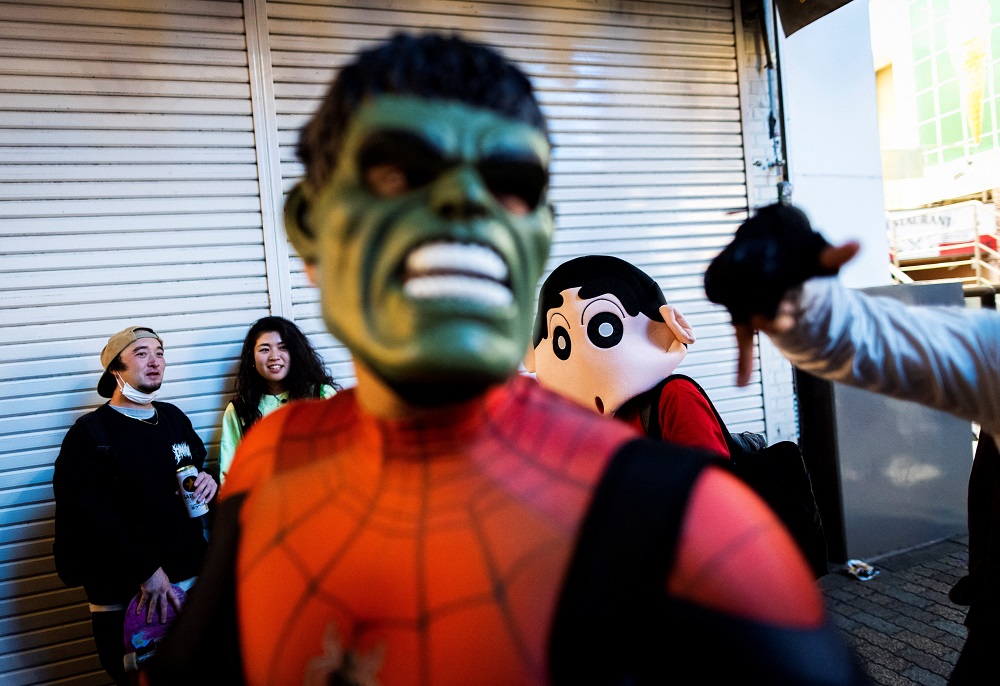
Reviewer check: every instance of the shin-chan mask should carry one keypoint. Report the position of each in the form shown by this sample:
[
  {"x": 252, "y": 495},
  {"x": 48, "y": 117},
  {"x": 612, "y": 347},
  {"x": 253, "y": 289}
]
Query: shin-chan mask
[{"x": 604, "y": 333}]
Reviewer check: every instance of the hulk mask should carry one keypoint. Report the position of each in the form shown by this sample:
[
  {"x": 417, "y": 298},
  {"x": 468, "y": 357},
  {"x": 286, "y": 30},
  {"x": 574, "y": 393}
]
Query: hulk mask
[{"x": 427, "y": 242}]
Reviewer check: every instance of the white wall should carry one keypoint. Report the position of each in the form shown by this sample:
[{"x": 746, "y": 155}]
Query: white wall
[{"x": 831, "y": 120}]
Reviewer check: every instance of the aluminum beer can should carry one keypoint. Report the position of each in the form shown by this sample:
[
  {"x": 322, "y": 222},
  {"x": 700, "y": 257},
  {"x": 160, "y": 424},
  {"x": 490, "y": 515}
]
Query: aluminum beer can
[{"x": 185, "y": 477}]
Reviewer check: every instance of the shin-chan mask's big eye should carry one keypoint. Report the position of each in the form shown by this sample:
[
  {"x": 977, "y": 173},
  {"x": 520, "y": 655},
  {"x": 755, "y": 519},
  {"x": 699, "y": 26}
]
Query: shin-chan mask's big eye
[
  {"x": 561, "y": 344},
  {"x": 605, "y": 330}
]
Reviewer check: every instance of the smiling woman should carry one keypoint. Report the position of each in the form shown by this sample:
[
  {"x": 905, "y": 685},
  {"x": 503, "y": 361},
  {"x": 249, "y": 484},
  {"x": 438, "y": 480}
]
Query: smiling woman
[{"x": 277, "y": 364}]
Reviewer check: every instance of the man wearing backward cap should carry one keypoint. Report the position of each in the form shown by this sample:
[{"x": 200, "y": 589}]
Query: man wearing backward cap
[{"x": 121, "y": 526}]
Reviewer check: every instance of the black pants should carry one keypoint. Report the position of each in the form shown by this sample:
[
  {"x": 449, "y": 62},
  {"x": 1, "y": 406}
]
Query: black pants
[
  {"x": 109, "y": 635},
  {"x": 978, "y": 662},
  {"x": 979, "y": 655},
  {"x": 984, "y": 517}
]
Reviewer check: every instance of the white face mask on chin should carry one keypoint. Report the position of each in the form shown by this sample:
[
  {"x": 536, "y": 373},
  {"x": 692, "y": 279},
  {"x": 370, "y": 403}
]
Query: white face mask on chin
[{"x": 135, "y": 395}]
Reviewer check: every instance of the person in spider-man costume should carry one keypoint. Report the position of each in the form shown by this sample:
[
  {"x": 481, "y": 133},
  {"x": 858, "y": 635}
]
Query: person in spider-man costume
[{"x": 447, "y": 521}]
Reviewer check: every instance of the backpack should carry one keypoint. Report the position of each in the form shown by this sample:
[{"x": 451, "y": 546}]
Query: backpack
[{"x": 777, "y": 473}]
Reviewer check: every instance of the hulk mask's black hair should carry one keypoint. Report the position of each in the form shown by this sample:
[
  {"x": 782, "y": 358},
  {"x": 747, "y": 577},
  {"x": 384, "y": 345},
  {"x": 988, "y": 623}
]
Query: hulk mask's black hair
[
  {"x": 597, "y": 275},
  {"x": 429, "y": 66}
]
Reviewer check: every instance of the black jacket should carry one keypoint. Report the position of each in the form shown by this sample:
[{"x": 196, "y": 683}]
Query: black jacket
[{"x": 118, "y": 514}]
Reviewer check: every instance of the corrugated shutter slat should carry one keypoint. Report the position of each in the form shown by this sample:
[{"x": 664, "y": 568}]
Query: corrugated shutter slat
[{"x": 129, "y": 194}]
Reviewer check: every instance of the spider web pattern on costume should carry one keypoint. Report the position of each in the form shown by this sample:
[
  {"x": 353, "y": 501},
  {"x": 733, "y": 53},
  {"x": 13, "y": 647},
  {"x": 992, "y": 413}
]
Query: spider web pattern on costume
[{"x": 445, "y": 539}]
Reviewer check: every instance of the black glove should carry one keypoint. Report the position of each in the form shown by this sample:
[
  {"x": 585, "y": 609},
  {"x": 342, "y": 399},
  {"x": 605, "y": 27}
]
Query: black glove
[{"x": 772, "y": 252}]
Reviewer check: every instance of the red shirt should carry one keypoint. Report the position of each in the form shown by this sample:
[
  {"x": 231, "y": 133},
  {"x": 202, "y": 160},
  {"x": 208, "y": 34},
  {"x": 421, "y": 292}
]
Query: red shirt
[{"x": 686, "y": 419}]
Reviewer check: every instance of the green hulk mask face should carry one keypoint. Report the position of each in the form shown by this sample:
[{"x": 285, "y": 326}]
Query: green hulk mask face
[{"x": 427, "y": 242}]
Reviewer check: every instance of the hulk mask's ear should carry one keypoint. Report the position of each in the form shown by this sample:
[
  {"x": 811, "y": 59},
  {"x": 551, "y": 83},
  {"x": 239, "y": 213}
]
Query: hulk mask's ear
[{"x": 297, "y": 226}]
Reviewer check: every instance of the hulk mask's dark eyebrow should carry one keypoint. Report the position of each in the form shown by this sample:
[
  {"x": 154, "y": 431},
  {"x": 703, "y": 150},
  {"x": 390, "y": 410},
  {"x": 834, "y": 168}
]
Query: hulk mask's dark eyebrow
[
  {"x": 520, "y": 174},
  {"x": 395, "y": 161},
  {"x": 409, "y": 154}
]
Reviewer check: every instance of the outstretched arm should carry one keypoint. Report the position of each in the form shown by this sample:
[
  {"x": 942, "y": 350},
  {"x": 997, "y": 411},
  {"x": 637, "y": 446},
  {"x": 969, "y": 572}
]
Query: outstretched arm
[{"x": 945, "y": 358}]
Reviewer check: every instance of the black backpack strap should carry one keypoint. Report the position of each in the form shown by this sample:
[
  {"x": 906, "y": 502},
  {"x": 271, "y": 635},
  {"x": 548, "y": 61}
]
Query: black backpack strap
[
  {"x": 649, "y": 406},
  {"x": 615, "y": 588},
  {"x": 98, "y": 432},
  {"x": 651, "y": 417}
]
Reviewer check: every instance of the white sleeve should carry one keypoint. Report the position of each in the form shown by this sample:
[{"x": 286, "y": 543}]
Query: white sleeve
[{"x": 947, "y": 358}]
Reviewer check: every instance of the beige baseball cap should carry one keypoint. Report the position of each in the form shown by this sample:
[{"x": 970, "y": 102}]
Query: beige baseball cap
[{"x": 116, "y": 344}]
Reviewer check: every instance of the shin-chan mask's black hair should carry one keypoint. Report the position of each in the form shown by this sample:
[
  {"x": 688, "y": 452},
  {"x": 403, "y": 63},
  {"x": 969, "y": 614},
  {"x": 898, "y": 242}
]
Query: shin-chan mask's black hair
[{"x": 597, "y": 275}]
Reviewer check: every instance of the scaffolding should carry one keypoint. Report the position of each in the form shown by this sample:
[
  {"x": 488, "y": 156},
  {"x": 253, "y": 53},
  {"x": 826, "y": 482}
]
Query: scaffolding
[{"x": 951, "y": 243}]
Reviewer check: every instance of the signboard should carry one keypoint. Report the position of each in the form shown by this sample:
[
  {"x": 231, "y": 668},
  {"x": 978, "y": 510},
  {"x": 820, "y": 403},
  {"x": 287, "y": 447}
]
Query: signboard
[{"x": 922, "y": 233}]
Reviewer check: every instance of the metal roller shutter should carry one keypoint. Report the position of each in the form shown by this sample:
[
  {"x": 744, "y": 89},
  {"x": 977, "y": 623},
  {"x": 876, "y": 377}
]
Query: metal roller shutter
[
  {"x": 129, "y": 194},
  {"x": 139, "y": 142},
  {"x": 644, "y": 105}
]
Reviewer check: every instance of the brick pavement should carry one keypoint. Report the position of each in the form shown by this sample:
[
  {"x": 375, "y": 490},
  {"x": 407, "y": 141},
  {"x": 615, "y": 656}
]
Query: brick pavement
[{"x": 901, "y": 623}]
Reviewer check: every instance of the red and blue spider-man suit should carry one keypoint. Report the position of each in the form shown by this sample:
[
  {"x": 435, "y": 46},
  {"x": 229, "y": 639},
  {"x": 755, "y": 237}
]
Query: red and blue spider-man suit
[{"x": 514, "y": 539}]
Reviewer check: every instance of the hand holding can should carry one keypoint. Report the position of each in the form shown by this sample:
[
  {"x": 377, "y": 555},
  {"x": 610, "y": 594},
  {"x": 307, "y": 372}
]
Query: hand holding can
[{"x": 186, "y": 479}]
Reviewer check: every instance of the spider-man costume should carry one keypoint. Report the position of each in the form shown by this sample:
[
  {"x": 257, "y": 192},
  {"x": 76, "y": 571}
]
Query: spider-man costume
[
  {"x": 437, "y": 551},
  {"x": 442, "y": 523}
]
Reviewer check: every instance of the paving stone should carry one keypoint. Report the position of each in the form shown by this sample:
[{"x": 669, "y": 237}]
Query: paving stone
[
  {"x": 921, "y": 628},
  {"x": 841, "y": 594},
  {"x": 953, "y": 628},
  {"x": 907, "y": 597},
  {"x": 951, "y": 657},
  {"x": 876, "y": 623},
  {"x": 880, "y": 639},
  {"x": 919, "y": 642},
  {"x": 925, "y": 678},
  {"x": 952, "y": 613},
  {"x": 843, "y": 623},
  {"x": 925, "y": 661},
  {"x": 953, "y": 642},
  {"x": 873, "y": 607},
  {"x": 886, "y": 677},
  {"x": 879, "y": 656},
  {"x": 920, "y": 615}
]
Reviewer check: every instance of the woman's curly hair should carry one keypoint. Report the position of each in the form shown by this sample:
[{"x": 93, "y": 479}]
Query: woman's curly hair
[{"x": 307, "y": 373}]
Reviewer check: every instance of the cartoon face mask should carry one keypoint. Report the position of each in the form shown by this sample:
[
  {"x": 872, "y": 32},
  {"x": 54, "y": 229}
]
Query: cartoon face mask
[
  {"x": 428, "y": 240},
  {"x": 595, "y": 343}
]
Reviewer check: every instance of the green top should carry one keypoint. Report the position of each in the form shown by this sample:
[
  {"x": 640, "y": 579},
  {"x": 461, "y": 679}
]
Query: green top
[{"x": 232, "y": 432}]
